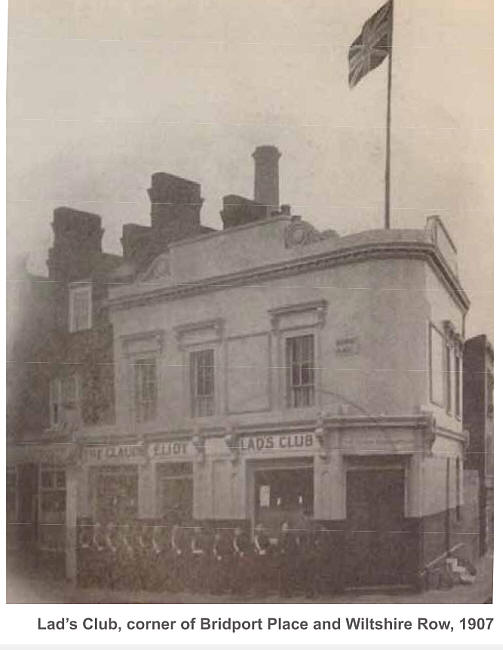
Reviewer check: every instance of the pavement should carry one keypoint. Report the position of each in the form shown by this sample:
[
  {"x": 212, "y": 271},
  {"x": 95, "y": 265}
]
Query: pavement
[{"x": 34, "y": 589}]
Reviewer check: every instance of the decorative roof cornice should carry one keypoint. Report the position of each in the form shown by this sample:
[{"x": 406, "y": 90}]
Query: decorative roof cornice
[{"x": 413, "y": 249}]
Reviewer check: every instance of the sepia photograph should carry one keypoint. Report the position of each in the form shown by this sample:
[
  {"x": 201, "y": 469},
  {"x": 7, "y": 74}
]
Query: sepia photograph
[{"x": 249, "y": 301}]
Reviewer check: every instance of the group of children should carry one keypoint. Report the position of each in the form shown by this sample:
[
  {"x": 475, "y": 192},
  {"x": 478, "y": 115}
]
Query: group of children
[{"x": 174, "y": 558}]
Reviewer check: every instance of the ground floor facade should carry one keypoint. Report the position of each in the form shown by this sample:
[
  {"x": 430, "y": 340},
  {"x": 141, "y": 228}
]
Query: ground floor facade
[{"x": 388, "y": 492}]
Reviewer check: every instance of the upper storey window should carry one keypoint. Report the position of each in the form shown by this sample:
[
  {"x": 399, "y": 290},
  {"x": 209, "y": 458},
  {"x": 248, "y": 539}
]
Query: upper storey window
[
  {"x": 80, "y": 315},
  {"x": 296, "y": 330},
  {"x": 64, "y": 398},
  {"x": 457, "y": 385},
  {"x": 145, "y": 374},
  {"x": 300, "y": 369},
  {"x": 141, "y": 354},
  {"x": 202, "y": 369},
  {"x": 448, "y": 375},
  {"x": 453, "y": 368},
  {"x": 446, "y": 368},
  {"x": 437, "y": 374},
  {"x": 200, "y": 343}
]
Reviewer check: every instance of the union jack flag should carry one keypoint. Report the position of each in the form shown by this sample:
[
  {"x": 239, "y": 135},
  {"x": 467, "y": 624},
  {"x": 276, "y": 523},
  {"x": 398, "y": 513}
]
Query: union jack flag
[{"x": 372, "y": 45}]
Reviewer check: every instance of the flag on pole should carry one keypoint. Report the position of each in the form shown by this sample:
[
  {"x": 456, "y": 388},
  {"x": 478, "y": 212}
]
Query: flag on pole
[{"x": 372, "y": 45}]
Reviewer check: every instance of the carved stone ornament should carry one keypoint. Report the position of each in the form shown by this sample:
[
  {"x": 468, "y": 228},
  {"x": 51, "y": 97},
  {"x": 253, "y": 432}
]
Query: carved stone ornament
[
  {"x": 302, "y": 233},
  {"x": 429, "y": 436},
  {"x": 76, "y": 454},
  {"x": 453, "y": 337},
  {"x": 232, "y": 442},
  {"x": 320, "y": 433},
  {"x": 199, "y": 443},
  {"x": 160, "y": 268}
]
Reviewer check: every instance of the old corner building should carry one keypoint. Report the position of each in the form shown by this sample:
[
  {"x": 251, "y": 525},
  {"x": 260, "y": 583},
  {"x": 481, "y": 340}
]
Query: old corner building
[{"x": 258, "y": 373}]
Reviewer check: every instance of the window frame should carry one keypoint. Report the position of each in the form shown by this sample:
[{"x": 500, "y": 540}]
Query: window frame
[
  {"x": 55, "y": 539},
  {"x": 433, "y": 329},
  {"x": 448, "y": 376},
  {"x": 142, "y": 413},
  {"x": 168, "y": 472},
  {"x": 75, "y": 289},
  {"x": 204, "y": 404},
  {"x": 56, "y": 397},
  {"x": 458, "y": 383},
  {"x": 293, "y": 389}
]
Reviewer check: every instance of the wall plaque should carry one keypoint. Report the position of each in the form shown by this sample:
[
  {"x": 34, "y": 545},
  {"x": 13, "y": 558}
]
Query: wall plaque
[{"x": 348, "y": 345}]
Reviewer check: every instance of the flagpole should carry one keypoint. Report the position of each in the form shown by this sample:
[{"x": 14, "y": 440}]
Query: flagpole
[{"x": 388, "y": 128}]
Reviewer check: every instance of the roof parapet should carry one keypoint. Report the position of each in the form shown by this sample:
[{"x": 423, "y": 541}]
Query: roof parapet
[{"x": 439, "y": 235}]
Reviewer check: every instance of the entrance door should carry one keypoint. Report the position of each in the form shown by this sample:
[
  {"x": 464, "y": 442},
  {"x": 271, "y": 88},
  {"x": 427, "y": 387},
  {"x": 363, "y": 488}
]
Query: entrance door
[
  {"x": 376, "y": 549},
  {"x": 117, "y": 494},
  {"x": 284, "y": 494}
]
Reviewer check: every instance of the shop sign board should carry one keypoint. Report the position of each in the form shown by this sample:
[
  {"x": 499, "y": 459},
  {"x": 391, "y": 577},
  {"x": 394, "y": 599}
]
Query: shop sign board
[
  {"x": 184, "y": 449},
  {"x": 171, "y": 449},
  {"x": 114, "y": 454},
  {"x": 127, "y": 453},
  {"x": 277, "y": 442}
]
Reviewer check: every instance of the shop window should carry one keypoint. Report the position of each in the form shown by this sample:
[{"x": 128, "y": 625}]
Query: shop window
[
  {"x": 80, "y": 316},
  {"x": 202, "y": 371},
  {"x": 64, "y": 398},
  {"x": 175, "y": 492},
  {"x": 52, "y": 507},
  {"x": 116, "y": 493},
  {"x": 437, "y": 381},
  {"x": 145, "y": 382},
  {"x": 283, "y": 495},
  {"x": 300, "y": 370}
]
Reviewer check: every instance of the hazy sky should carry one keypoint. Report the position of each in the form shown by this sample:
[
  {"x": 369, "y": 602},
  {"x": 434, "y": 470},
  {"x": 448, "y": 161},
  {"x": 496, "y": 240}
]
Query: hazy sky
[{"x": 102, "y": 93}]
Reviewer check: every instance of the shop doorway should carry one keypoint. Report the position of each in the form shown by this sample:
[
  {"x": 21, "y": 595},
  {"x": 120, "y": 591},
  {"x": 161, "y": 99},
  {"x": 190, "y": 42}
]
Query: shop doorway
[
  {"x": 117, "y": 493},
  {"x": 378, "y": 543},
  {"x": 175, "y": 492},
  {"x": 283, "y": 492}
]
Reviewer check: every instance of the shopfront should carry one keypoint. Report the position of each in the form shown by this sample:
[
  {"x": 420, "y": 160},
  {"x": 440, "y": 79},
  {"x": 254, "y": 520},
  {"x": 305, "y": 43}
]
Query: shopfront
[
  {"x": 379, "y": 549},
  {"x": 37, "y": 504},
  {"x": 365, "y": 502},
  {"x": 149, "y": 481},
  {"x": 279, "y": 479}
]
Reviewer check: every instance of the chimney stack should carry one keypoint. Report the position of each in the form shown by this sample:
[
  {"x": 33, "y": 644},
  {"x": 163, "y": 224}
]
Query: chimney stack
[
  {"x": 76, "y": 246},
  {"x": 176, "y": 206},
  {"x": 267, "y": 177}
]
